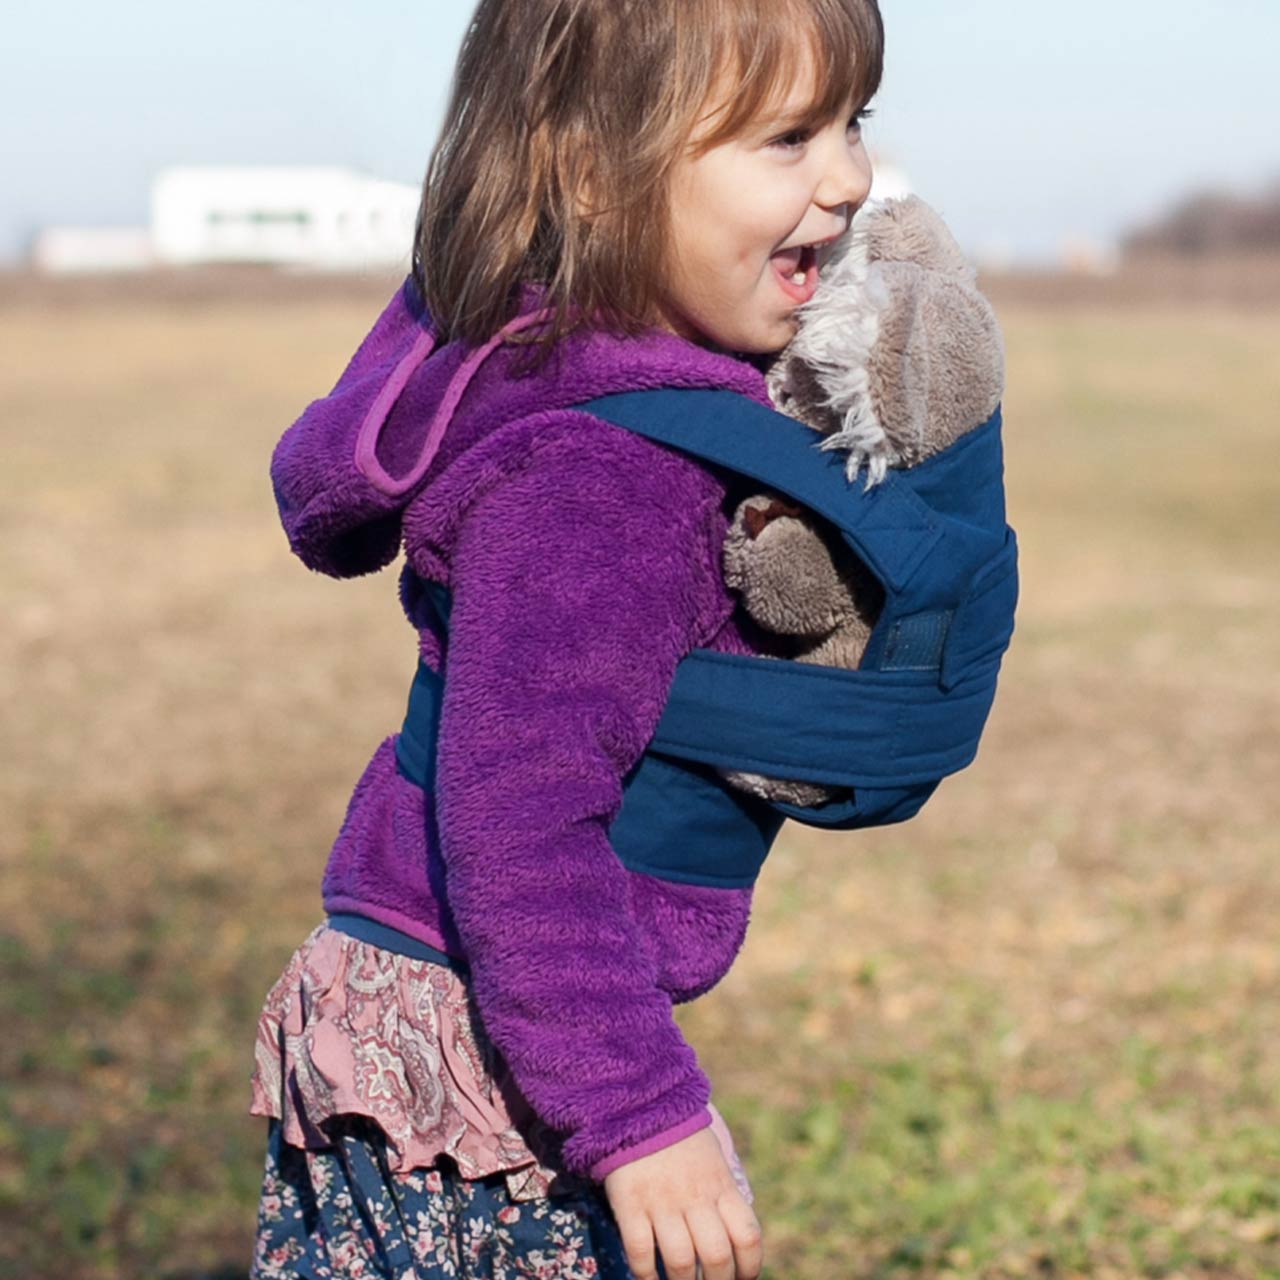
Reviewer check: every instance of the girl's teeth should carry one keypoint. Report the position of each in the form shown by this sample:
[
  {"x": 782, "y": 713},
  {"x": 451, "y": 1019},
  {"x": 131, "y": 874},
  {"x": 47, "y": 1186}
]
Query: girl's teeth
[{"x": 798, "y": 278}]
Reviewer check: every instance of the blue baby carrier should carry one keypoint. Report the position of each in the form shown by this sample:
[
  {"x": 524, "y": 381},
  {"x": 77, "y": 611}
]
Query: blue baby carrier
[{"x": 936, "y": 539}]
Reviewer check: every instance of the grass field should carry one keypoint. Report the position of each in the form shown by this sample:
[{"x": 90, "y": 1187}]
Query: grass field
[{"x": 1035, "y": 1032}]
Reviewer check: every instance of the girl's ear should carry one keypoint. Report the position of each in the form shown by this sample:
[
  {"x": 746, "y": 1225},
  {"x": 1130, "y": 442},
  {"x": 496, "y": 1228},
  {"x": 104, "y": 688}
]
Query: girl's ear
[
  {"x": 585, "y": 201},
  {"x": 582, "y": 172}
]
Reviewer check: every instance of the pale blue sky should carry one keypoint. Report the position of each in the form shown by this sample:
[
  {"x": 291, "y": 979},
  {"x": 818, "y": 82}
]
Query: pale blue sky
[{"x": 1023, "y": 122}]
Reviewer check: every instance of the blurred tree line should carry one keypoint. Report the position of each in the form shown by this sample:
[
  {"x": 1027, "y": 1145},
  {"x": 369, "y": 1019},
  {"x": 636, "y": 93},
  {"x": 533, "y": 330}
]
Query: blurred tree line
[{"x": 1212, "y": 222}]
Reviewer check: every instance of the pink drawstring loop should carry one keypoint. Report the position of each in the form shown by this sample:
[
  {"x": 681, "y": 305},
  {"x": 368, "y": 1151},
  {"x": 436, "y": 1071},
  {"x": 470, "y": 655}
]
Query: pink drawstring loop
[
  {"x": 366, "y": 454},
  {"x": 371, "y": 428}
]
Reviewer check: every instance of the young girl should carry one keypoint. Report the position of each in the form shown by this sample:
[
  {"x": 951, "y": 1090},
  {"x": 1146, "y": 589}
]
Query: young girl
[{"x": 472, "y": 1068}]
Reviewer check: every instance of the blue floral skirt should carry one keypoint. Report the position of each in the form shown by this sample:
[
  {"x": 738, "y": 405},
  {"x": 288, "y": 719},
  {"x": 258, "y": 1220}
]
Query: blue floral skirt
[{"x": 341, "y": 1213}]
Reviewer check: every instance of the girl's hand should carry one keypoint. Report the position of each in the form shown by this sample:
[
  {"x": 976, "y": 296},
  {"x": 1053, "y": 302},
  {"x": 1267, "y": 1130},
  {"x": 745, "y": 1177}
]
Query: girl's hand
[{"x": 684, "y": 1196}]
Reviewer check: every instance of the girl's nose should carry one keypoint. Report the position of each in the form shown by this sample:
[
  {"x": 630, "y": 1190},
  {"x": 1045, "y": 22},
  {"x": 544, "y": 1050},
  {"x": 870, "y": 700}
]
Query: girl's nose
[{"x": 847, "y": 177}]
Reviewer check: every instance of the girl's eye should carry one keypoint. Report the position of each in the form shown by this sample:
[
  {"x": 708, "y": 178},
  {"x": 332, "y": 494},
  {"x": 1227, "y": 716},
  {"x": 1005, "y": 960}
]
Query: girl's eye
[
  {"x": 789, "y": 141},
  {"x": 798, "y": 137}
]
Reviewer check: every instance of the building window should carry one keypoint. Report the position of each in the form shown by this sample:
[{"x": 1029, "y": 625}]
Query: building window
[{"x": 260, "y": 217}]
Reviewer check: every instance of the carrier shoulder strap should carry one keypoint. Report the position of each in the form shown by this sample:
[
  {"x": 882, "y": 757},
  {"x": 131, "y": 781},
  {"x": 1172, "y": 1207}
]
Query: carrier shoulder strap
[{"x": 892, "y": 529}]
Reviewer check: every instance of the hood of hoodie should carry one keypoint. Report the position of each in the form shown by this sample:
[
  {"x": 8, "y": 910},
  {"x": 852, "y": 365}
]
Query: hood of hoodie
[{"x": 412, "y": 422}]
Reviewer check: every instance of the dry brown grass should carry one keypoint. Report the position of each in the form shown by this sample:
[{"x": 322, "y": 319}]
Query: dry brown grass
[{"x": 1033, "y": 1032}]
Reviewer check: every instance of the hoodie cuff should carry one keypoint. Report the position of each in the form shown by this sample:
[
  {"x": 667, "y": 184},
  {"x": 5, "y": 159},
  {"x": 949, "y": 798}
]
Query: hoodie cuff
[{"x": 665, "y": 1138}]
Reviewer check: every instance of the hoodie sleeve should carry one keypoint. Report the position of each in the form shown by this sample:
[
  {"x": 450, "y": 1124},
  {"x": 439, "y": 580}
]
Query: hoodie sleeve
[{"x": 578, "y": 584}]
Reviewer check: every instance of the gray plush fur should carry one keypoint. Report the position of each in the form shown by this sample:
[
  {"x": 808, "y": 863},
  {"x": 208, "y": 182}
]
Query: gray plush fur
[{"x": 896, "y": 356}]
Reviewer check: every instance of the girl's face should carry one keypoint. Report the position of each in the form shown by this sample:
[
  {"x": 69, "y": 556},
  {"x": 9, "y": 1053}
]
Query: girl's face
[{"x": 740, "y": 213}]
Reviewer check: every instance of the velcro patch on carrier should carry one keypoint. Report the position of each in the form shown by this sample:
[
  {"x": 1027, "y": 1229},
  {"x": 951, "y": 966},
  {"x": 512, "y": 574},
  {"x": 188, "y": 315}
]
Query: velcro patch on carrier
[{"x": 916, "y": 643}]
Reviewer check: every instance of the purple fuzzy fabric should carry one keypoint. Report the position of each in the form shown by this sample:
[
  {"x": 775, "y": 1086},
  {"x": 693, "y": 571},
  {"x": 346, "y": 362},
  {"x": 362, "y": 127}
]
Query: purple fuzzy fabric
[{"x": 584, "y": 563}]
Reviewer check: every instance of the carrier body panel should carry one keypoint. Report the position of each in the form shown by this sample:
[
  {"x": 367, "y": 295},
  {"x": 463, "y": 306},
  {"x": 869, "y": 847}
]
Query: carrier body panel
[{"x": 935, "y": 536}]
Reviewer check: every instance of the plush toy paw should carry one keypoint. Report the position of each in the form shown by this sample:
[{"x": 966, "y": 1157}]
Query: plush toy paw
[
  {"x": 785, "y": 790},
  {"x": 776, "y": 557}
]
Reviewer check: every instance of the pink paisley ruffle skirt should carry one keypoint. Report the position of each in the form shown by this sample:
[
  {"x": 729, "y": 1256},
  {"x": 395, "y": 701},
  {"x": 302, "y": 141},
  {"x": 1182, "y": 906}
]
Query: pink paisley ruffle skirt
[{"x": 352, "y": 1028}]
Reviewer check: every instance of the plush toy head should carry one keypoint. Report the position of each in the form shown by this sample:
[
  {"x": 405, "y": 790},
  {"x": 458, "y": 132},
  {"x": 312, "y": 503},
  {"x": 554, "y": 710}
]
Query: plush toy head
[{"x": 896, "y": 356}]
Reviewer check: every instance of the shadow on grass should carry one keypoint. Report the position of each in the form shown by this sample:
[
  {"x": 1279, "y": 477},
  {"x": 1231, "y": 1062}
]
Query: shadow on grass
[{"x": 227, "y": 1272}]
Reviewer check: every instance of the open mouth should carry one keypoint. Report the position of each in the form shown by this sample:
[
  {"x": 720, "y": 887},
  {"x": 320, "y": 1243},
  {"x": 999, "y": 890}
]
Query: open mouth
[{"x": 797, "y": 271}]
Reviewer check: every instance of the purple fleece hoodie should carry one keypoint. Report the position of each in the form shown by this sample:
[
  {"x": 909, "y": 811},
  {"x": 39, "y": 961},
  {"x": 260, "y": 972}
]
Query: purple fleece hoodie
[{"x": 584, "y": 563}]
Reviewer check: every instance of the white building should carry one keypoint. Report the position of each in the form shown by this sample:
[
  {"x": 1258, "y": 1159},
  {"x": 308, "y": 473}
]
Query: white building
[
  {"x": 320, "y": 217},
  {"x": 71, "y": 250}
]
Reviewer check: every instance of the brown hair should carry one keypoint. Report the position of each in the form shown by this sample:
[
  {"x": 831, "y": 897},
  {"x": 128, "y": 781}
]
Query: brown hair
[{"x": 555, "y": 99}]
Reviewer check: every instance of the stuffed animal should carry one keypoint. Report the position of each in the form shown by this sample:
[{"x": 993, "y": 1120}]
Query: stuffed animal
[{"x": 896, "y": 356}]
